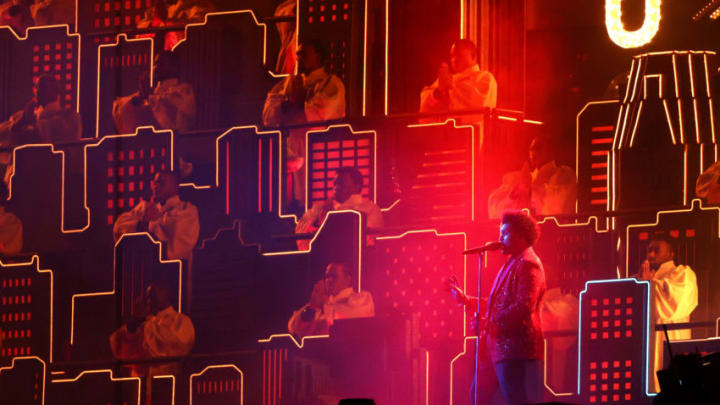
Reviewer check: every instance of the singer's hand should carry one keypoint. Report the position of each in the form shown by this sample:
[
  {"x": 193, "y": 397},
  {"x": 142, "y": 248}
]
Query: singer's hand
[
  {"x": 444, "y": 76},
  {"x": 319, "y": 296},
  {"x": 152, "y": 212},
  {"x": 451, "y": 285}
]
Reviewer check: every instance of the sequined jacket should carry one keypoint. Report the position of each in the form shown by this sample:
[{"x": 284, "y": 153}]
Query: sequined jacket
[{"x": 513, "y": 329}]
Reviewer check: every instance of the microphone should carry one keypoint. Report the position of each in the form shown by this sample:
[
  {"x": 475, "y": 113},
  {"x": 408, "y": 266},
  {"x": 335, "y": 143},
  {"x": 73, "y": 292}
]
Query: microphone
[{"x": 488, "y": 246}]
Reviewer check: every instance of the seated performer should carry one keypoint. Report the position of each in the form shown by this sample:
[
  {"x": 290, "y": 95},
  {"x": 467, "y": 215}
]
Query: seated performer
[
  {"x": 312, "y": 95},
  {"x": 43, "y": 120},
  {"x": 541, "y": 185},
  {"x": 155, "y": 329},
  {"x": 11, "y": 229},
  {"x": 332, "y": 298},
  {"x": 347, "y": 196},
  {"x": 707, "y": 185},
  {"x": 674, "y": 294},
  {"x": 165, "y": 216},
  {"x": 510, "y": 333},
  {"x": 169, "y": 105},
  {"x": 467, "y": 88}
]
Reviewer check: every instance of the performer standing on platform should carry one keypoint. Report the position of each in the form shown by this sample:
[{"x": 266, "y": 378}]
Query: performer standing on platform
[
  {"x": 511, "y": 331},
  {"x": 673, "y": 293},
  {"x": 468, "y": 88},
  {"x": 313, "y": 94}
]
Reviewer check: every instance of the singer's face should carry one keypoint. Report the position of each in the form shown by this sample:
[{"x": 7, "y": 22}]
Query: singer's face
[{"x": 512, "y": 242}]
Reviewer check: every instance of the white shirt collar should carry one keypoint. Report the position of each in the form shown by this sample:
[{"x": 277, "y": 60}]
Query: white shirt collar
[
  {"x": 353, "y": 201},
  {"x": 171, "y": 202},
  {"x": 165, "y": 312},
  {"x": 316, "y": 75},
  {"x": 668, "y": 265},
  {"x": 168, "y": 82},
  {"x": 344, "y": 293},
  {"x": 472, "y": 69}
]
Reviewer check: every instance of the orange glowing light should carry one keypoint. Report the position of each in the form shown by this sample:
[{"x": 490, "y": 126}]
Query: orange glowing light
[{"x": 639, "y": 37}]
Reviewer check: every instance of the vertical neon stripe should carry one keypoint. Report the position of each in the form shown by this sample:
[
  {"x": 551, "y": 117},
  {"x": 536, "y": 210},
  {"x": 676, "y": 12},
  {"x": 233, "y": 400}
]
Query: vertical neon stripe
[
  {"x": 227, "y": 178},
  {"x": 260, "y": 175},
  {"x": 270, "y": 176},
  {"x": 278, "y": 377},
  {"x": 274, "y": 382},
  {"x": 264, "y": 363}
]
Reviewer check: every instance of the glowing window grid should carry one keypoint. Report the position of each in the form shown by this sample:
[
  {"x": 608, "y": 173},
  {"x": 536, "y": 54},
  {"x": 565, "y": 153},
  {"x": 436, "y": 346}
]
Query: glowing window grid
[
  {"x": 124, "y": 166},
  {"x": 21, "y": 323},
  {"x": 331, "y": 151},
  {"x": 217, "y": 384},
  {"x": 412, "y": 269},
  {"x": 129, "y": 173},
  {"x": 111, "y": 15},
  {"x": 58, "y": 58},
  {"x": 613, "y": 341},
  {"x": 320, "y": 15}
]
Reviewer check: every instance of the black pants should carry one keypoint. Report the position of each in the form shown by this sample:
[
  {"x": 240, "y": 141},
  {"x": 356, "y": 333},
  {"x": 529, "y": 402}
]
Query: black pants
[{"x": 512, "y": 382}]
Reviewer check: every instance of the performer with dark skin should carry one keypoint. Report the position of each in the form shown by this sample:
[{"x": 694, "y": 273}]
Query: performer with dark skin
[{"x": 510, "y": 331}]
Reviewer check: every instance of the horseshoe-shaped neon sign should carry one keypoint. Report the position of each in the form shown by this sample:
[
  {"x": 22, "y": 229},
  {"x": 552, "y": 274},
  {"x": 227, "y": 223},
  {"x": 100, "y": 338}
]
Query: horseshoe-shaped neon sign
[{"x": 639, "y": 37}]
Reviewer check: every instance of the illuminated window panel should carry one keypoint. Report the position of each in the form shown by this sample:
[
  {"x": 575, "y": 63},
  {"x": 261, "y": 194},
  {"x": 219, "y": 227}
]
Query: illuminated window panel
[
  {"x": 332, "y": 149},
  {"x": 613, "y": 341},
  {"x": 341, "y": 26},
  {"x": 215, "y": 384},
  {"x": 97, "y": 16},
  {"x": 247, "y": 170},
  {"x": 23, "y": 380},
  {"x": 441, "y": 182},
  {"x": 122, "y": 169},
  {"x": 94, "y": 387},
  {"x": 25, "y": 311},
  {"x": 575, "y": 253},
  {"x": 50, "y": 51},
  {"x": 409, "y": 281},
  {"x": 120, "y": 67},
  {"x": 595, "y": 130}
]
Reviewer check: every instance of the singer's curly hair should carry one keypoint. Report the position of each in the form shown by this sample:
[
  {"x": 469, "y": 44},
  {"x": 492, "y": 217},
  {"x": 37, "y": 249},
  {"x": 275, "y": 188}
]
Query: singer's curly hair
[{"x": 523, "y": 224}]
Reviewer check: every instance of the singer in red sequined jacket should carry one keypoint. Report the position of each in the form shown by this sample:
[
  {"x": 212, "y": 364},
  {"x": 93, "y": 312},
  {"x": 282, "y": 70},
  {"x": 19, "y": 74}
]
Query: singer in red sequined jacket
[{"x": 513, "y": 329}]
